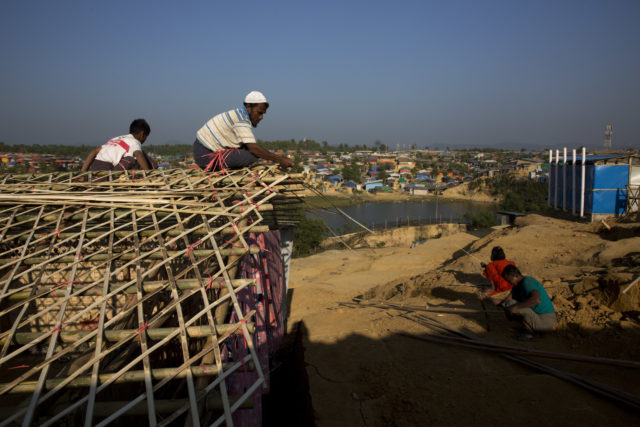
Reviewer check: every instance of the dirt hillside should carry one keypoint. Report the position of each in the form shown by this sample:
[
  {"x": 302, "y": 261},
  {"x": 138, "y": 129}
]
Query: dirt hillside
[
  {"x": 462, "y": 192},
  {"x": 364, "y": 370}
]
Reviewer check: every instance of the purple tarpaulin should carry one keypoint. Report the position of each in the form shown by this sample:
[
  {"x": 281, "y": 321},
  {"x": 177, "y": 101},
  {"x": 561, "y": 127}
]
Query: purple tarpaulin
[{"x": 267, "y": 299}]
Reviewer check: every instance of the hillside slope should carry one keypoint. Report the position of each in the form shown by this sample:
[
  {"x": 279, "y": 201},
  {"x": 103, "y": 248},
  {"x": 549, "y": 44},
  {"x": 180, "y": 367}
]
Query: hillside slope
[{"x": 363, "y": 371}]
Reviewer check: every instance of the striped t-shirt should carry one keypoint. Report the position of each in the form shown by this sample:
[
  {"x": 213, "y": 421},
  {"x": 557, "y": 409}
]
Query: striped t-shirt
[{"x": 227, "y": 130}]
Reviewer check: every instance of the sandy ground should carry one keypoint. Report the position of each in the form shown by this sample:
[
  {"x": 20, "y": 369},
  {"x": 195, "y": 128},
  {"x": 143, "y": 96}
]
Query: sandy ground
[
  {"x": 462, "y": 192},
  {"x": 362, "y": 371}
]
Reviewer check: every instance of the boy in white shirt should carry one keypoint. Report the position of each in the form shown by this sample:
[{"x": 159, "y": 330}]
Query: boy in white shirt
[{"x": 122, "y": 152}]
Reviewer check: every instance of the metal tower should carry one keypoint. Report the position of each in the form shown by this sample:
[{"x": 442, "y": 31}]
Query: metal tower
[{"x": 608, "y": 132}]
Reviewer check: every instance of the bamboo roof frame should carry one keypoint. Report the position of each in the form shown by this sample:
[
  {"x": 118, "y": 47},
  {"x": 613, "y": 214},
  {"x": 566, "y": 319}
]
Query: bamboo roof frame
[{"x": 146, "y": 255}]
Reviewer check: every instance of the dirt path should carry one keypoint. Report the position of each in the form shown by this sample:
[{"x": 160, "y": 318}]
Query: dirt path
[
  {"x": 362, "y": 371},
  {"x": 322, "y": 281}
]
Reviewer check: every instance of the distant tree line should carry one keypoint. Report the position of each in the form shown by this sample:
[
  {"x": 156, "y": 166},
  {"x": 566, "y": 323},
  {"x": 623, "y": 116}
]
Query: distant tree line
[
  {"x": 311, "y": 145},
  {"x": 168, "y": 150},
  {"x": 53, "y": 149}
]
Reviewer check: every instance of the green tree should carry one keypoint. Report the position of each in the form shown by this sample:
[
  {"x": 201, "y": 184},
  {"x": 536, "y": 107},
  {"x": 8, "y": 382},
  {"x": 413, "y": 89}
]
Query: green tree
[
  {"x": 481, "y": 219},
  {"x": 351, "y": 172},
  {"x": 307, "y": 236},
  {"x": 382, "y": 174}
]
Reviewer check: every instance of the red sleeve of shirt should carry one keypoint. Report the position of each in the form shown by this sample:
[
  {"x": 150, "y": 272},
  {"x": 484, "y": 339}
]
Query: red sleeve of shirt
[{"x": 493, "y": 272}]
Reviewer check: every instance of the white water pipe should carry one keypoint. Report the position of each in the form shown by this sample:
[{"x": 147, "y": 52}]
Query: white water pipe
[
  {"x": 573, "y": 183},
  {"x": 549, "y": 178},
  {"x": 564, "y": 179},
  {"x": 555, "y": 181},
  {"x": 584, "y": 173}
]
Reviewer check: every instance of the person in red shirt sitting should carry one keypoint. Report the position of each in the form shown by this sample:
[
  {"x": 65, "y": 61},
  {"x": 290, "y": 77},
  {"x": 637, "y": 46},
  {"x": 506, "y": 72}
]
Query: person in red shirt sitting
[{"x": 493, "y": 272}]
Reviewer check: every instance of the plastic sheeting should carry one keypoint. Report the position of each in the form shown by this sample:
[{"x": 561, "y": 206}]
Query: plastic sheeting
[
  {"x": 268, "y": 299},
  {"x": 605, "y": 191}
]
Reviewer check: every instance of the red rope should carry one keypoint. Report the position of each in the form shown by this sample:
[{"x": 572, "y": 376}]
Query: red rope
[
  {"x": 190, "y": 249},
  {"x": 89, "y": 325},
  {"x": 59, "y": 327},
  {"x": 18, "y": 367},
  {"x": 218, "y": 160},
  {"x": 58, "y": 284},
  {"x": 142, "y": 328},
  {"x": 267, "y": 187}
]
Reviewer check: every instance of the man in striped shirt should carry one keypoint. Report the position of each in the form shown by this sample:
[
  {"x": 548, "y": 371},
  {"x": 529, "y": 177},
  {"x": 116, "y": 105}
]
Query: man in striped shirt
[{"x": 226, "y": 141}]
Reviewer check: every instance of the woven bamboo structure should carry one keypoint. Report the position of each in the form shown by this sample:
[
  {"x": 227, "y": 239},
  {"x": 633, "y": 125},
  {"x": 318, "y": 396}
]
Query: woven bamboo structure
[{"x": 117, "y": 290}]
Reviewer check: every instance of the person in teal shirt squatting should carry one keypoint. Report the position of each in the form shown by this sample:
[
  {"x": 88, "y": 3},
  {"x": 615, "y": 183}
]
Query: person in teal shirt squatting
[{"x": 530, "y": 302}]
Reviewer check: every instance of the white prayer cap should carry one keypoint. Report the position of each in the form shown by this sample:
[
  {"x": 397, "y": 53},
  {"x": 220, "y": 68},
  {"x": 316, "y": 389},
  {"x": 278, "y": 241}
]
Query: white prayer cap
[{"x": 255, "y": 97}]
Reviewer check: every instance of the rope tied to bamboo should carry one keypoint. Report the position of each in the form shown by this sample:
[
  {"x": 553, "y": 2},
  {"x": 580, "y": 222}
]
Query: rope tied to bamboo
[
  {"x": 192, "y": 247},
  {"x": 142, "y": 329}
]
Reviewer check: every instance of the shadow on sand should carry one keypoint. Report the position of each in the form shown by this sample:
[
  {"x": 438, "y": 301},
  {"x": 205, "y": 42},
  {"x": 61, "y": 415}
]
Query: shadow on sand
[{"x": 397, "y": 380}]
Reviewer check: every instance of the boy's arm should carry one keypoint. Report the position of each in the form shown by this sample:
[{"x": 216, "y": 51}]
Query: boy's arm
[
  {"x": 258, "y": 151},
  {"x": 533, "y": 300},
  {"x": 92, "y": 155},
  {"x": 142, "y": 160}
]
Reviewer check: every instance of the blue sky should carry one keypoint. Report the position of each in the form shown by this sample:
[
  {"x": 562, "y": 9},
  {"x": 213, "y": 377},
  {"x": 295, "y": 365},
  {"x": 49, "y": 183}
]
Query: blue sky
[{"x": 442, "y": 73}]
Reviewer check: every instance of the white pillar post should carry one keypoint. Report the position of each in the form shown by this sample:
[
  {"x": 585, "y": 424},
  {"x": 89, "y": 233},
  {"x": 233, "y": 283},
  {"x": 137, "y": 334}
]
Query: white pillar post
[
  {"x": 555, "y": 179},
  {"x": 564, "y": 179},
  {"x": 584, "y": 173},
  {"x": 573, "y": 183},
  {"x": 549, "y": 178}
]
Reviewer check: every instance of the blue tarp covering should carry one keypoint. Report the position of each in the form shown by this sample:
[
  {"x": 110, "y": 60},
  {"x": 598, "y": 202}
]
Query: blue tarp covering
[
  {"x": 370, "y": 185},
  {"x": 609, "y": 189},
  {"x": 605, "y": 191}
]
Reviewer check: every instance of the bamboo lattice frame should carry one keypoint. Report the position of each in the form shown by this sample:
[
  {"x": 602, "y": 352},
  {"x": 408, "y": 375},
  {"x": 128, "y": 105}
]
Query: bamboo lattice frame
[{"x": 109, "y": 284}]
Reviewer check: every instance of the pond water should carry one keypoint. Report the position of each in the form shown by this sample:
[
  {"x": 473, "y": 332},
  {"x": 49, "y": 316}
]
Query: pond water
[{"x": 391, "y": 214}]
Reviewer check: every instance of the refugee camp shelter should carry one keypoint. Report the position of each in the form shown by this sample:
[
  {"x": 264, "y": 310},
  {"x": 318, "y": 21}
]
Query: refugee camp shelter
[
  {"x": 370, "y": 185},
  {"x": 142, "y": 297},
  {"x": 597, "y": 187}
]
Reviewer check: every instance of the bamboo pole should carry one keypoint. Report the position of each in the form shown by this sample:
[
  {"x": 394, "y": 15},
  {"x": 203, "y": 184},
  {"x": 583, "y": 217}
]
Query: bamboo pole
[
  {"x": 149, "y": 233},
  {"x": 104, "y": 409},
  {"x": 95, "y": 370},
  {"x": 598, "y": 388},
  {"x": 469, "y": 343},
  {"x": 129, "y": 377},
  {"x": 147, "y": 286},
  {"x": 453, "y": 310},
  {"x": 130, "y": 256}
]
